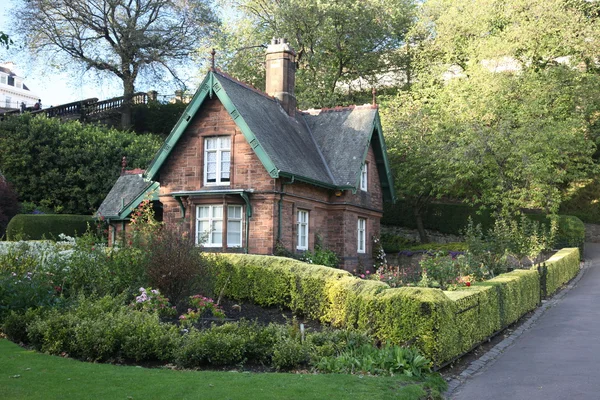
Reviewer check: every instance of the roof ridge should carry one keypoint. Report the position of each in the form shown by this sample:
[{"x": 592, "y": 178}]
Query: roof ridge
[
  {"x": 243, "y": 84},
  {"x": 342, "y": 108}
]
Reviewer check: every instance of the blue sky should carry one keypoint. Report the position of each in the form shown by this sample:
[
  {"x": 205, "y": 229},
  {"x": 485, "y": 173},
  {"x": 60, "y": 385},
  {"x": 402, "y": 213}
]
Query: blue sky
[{"x": 52, "y": 86}]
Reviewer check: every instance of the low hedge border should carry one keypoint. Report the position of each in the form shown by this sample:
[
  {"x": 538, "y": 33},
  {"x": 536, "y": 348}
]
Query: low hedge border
[
  {"x": 558, "y": 270},
  {"x": 47, "y": 226},
  {"x": 443, "y": 325}
]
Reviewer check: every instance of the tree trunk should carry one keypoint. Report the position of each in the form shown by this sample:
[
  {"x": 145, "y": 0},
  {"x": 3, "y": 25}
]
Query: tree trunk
[
  {"x": 420, "y": 228},
  {"x": 128, "y": 90}
]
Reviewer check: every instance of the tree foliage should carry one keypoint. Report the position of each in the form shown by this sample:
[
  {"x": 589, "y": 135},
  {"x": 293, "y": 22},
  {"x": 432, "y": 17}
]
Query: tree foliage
[
  {"x": 67, "y": 167},
  {"x": 336, "y": 43},
  {"x": 122, "y": 38},
  {"x": 504, "y": 111}
]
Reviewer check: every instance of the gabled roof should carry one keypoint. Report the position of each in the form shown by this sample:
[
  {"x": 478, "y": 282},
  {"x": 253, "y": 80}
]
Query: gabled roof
[
  {"x": 125, "y": 195},
  {"x": 326, "y": 147}
]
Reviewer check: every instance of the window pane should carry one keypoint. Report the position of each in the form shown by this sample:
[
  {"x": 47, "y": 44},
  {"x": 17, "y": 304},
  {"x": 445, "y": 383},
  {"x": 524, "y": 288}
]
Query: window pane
[
  {"x": 234, "y": 233},
  {"x": 210, "y": 143},
  {"x": 217, "y": 212},
  {"x": 225, "y": 142},
  {"x": 203, "y": 212},
  {"x": 234, "y": 212}
]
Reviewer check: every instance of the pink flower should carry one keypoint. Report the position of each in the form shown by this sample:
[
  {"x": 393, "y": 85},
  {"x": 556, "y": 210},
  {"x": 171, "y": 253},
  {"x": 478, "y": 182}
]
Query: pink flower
[{"x": 362, "y": 276}]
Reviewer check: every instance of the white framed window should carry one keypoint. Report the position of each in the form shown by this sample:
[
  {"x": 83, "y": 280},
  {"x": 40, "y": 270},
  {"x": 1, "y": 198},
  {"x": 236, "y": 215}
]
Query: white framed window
[
  {"x": 8, "y": 101},
  {"x": 363, "y": 177},
  {"x": 4, "y": 79},
  {"x": 209, "y": 225},
  {"x": 362, "y": 235},
  {"x": 234, "y": 226},
  {"x": 18, "y": 84},
  {"x": 302, "y": 224},
  {"x": 217, "y": 156}
]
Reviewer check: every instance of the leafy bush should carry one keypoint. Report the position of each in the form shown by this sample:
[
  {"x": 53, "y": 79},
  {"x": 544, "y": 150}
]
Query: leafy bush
[
  {"x": 156, "y": 117},
  {"x": 9, "y": 205},
  {"x": 21, "y": 291},
  {"x": 100, "y": 329},
  {"x": 388, "y": 360},
  {"x": 42, "y": 226},
  {"x": 290, "y": 353},
  {"x": 15, "y": 323},
  {"x": 394, "y": 243},
  {"x": 176, "y": 266},
  {"x": 65, "y": 166}
]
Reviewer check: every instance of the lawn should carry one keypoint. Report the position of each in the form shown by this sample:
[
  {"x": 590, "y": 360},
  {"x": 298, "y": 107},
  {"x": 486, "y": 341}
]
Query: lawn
[{"x": 26, "y": 374}]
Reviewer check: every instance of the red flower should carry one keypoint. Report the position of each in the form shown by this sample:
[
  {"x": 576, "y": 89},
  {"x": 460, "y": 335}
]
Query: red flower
[{"x": 468, "y": 283}]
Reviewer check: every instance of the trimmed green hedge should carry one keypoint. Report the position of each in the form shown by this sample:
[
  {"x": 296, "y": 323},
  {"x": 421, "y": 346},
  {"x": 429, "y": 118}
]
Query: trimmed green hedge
[
  {"x": 559, "y": 269},
  {"x": 443, "y": 325},
  {"x": 46, "y": 226}
]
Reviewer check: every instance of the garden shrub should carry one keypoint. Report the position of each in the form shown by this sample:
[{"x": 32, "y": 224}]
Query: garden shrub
[
  {"x": 394, "y": 243},
  {"x": 176, "y": 267},
  {"x": 15, "y": 323},
  {"x": 42, "y": 226},
  {"x": 290, "y": 353},
  {"x": 21, "y": 291},
  {"x": 100, "y": 329},
  {"x": 570, "y": 233},
  {"x": 9, "y": 205}
]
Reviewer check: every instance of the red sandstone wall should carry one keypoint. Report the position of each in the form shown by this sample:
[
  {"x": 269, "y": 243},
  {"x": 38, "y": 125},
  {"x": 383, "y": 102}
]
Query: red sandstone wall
[{"x": 333, "y": 217}]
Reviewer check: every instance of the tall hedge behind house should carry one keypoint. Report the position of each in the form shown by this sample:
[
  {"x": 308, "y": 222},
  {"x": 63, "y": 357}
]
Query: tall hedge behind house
[{"x": 65, "y": 166}]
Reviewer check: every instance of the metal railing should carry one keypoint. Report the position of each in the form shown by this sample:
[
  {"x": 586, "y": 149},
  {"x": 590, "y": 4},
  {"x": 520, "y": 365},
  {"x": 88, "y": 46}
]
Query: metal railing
[{"x": 83, "y": 108}]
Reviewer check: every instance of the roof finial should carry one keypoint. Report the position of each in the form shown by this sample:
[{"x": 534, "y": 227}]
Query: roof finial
[
  {"x": 212, "y": 53},
  {"x": 123, "y": 165},
  {"x": 374, "y": 96}
]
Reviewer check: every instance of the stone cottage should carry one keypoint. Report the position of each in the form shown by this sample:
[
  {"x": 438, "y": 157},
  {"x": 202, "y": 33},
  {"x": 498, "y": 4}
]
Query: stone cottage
[{"x": 244, "y": 170}]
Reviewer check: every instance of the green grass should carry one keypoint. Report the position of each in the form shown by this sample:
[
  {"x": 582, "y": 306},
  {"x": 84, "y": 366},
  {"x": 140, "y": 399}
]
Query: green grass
[{"x": 26, "y": 374}]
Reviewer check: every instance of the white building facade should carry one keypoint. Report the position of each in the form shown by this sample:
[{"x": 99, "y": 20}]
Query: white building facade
[{"x": 13, "y": 90}]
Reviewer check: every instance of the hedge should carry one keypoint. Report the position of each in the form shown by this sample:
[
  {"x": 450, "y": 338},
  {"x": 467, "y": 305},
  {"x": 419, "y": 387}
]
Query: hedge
[
  {"x": 46, "y": 226},
  {"x": 453, "y": 218},
  {"x": 443, "y": 325},
  {"x": 444, "y": 218},
  {"x": 558, "y": 270}
]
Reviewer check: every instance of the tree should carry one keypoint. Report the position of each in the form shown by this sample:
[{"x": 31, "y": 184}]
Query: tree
[
  {"x": 336, "y": 43},
  {"x": 119, "y": 37}
]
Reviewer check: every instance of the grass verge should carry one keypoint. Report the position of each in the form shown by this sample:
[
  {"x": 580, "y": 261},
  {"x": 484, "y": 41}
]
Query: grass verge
[{"x": 26, "y": 374}]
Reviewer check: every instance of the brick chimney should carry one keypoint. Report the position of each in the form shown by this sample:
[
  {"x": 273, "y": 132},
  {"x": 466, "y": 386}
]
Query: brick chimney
[{"x": 281, "y": 74}]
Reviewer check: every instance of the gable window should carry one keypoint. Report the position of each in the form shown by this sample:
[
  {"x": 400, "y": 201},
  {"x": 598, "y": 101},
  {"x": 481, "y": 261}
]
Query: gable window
[
  {"x": 4, "y": 79},
  {"x": 302, "y": 223},
  {"x": 217, "y": 156},
  {"x": 209, "y": 226},
  {"x": 362, "y": 235},
  {"x": 363, "y": 177}
]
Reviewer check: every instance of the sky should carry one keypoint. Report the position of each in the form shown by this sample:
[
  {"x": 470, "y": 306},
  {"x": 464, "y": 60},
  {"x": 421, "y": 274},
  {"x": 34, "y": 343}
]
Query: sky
[{"x": 50, "y": 85}]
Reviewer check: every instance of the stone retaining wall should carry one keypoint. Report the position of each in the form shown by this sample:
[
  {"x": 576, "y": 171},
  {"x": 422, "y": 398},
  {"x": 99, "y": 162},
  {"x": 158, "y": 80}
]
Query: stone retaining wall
[{"x": 592, "y": 233}]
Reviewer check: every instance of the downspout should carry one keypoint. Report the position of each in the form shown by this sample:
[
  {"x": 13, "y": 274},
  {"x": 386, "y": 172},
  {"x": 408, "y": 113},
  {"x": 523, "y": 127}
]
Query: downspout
[
  {"x": 248, "y": 215},
  {"x": 280, "y": 206}
]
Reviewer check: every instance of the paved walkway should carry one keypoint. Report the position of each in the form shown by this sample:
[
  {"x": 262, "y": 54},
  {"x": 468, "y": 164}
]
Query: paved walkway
[{"x": 558, "y": 357}]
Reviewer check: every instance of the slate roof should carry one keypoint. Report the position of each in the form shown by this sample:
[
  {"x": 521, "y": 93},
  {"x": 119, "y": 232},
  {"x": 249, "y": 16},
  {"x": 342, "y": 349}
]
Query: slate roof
[
  {"x": 127, "y": 188},
  {"x": 288, "y": 141},
  {"x": 322, "y": 147}
]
